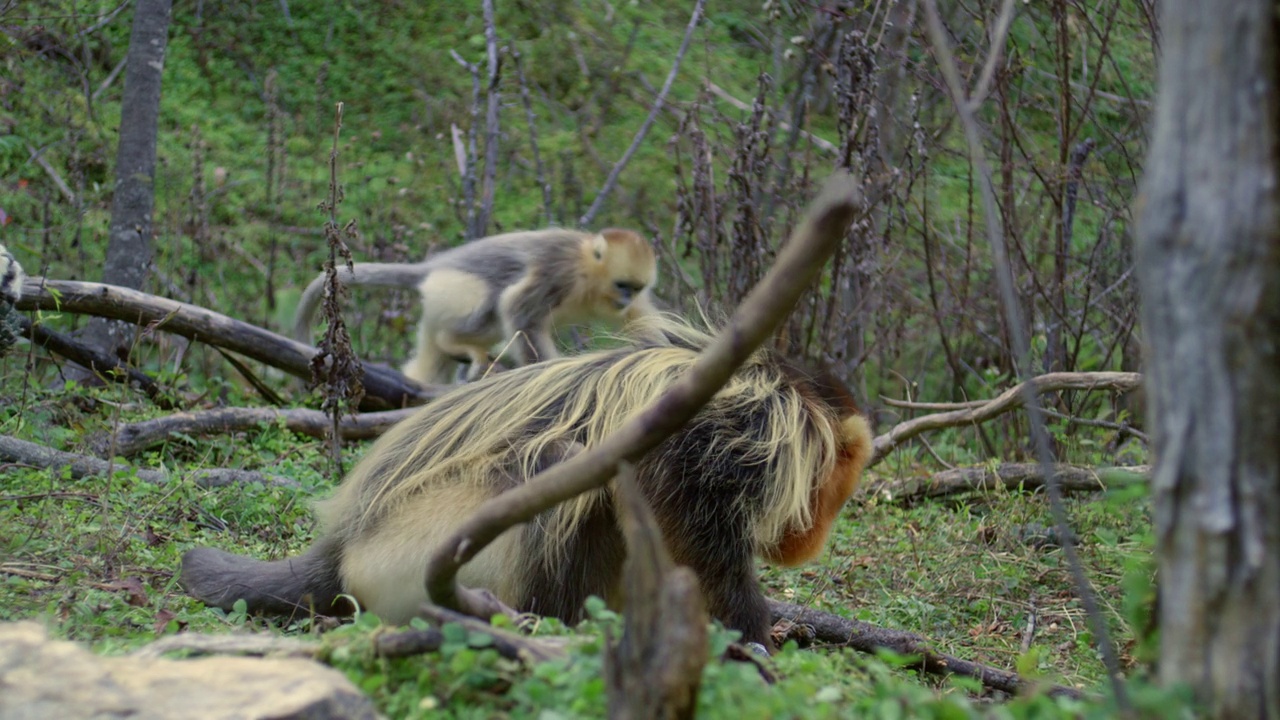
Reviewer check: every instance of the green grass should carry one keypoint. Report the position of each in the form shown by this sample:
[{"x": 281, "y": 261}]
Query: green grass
[{"x": 95, "y": 559}]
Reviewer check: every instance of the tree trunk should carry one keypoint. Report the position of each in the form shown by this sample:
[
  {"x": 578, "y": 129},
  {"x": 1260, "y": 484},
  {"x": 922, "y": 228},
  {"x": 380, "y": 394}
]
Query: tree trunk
[
  {"x": 129, "y": 248},
  {"x": 1208, "y": 258}
]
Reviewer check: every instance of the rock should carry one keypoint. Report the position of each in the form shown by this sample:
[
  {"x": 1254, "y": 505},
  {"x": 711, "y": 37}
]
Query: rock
[{"x": 42, "y": 678}]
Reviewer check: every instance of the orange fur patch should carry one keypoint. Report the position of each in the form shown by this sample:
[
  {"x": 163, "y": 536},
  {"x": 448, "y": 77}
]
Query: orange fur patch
[{"x": 800, "y": 545}]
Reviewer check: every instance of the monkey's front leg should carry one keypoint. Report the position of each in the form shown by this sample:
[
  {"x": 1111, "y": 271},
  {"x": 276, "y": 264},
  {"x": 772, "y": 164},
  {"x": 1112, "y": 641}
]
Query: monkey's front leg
[
  {"x": 526, "y": 319},
  {"x": 718, "y": 549}
]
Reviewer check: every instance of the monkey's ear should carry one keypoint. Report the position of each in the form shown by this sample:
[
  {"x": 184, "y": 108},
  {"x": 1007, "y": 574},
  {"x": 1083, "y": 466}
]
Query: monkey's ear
[{"x": 599, "y": 245}]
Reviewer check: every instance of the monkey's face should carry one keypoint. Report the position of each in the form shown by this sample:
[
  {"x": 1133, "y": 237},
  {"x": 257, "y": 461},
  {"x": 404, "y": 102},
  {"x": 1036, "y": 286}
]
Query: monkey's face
[{"x": 629, "y": 269}]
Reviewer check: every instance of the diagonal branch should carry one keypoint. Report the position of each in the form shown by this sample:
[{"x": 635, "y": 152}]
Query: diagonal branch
[
  {"x": 752, "y": 324},
  {"x": 388, "y": 387},
  {"x": 1021, "y": 346},
  {"x": 96, "y": 361}
]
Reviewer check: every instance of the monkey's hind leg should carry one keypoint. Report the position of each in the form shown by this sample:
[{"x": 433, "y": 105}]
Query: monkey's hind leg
[
  {"x": 430, "y": 364},
  {"x": 281, "y": 587}
]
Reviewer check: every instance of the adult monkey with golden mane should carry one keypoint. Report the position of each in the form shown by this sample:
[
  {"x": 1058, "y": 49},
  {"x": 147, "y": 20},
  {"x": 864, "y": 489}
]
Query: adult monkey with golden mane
[
  {"x": 763, "y": 469},
  {"x": 512, "y": 288}
]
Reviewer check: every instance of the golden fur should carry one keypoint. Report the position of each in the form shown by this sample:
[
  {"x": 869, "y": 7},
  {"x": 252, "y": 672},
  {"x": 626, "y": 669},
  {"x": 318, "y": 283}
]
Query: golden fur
[{"x": 815, "y": 455}]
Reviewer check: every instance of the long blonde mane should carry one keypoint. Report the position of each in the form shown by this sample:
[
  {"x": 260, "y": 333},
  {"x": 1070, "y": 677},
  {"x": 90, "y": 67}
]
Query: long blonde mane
[{"x": 493, "y": 433}]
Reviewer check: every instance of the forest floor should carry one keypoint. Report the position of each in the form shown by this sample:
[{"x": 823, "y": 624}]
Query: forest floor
[{"x": 979, "y": 575}]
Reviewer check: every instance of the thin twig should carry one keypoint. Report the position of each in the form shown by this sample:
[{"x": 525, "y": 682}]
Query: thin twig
[
  {"x": 658, "y": 102},
  {"x": 1021, "y": 349},
  {"x": 539, "y": 169},
  {"x": 104, "y": 21},
  {"x": 491, "y": 124},
  {"x": 38, "y": 157},
  {"x": 825, "y": 145},
  {"x": 1105, "y": 424},
  {"x": 993, "y": 55},
  {"x": 909, "y": 405},
  {"x": 111, "y": 78}
]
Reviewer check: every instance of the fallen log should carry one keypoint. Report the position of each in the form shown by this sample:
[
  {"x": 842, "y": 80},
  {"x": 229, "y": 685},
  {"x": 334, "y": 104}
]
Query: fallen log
[
  {"x": 867, "y": 638},
  {"x": 133, "y": 438},
  {"x": 384, "y": 388},
  {"x": 1009, "y": 476},
  {"x": 100, "y": 363}
]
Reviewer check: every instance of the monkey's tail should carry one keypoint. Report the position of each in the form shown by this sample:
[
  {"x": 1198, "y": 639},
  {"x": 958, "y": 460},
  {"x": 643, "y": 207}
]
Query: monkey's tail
[
  {"x": 281, "y": 587},
  {"x": 388, "y": 275}
]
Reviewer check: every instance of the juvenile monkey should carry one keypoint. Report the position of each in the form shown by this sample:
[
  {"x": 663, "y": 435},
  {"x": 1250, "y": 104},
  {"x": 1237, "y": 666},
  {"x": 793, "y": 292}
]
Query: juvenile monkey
[
  {"x": 762, "y": 470},
  {"x": 512, "y": 289}
]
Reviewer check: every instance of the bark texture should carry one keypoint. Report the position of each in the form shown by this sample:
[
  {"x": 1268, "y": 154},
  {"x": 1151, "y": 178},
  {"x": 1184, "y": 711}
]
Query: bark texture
[
  {"x": 129, "y": 250},
  {"x": 1208, "y": 257}
]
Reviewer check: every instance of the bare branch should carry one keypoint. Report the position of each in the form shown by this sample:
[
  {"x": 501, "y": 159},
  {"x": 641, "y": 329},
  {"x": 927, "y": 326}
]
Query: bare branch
[
  {"x": 761, "y": 312},
  {"x": 658, "y": 102},
  {"x": 994, "y": 54},
  {"x": 111, "y": 78},
  {"x": 1011, "y": 399},
  {"x": 539, "y": 169},
  {"x": 491, "y": 124},
  {"x": 39, "y": 158},
  {"x": 104, "y": 20},
  {"x": 909, "y": 405},
  {"x": 1107, "y": 424},
  {"x": 824, "y": 145},
  {"x": 385, "y": 386}
]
